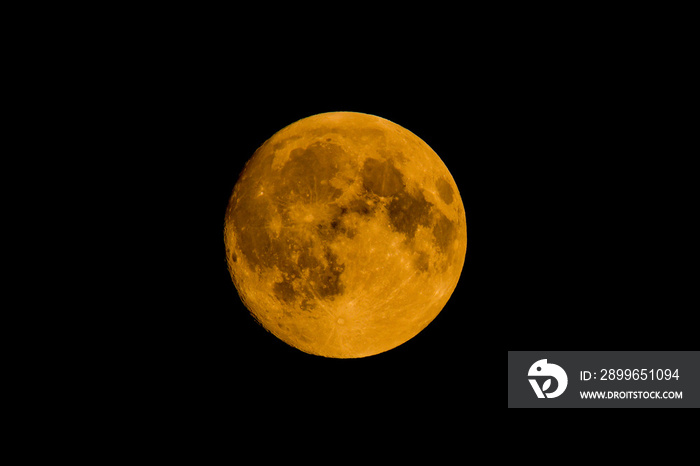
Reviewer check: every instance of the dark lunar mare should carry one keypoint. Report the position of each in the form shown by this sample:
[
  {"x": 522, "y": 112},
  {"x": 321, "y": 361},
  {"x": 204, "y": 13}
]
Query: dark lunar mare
[{"x": 298, "y": 181}]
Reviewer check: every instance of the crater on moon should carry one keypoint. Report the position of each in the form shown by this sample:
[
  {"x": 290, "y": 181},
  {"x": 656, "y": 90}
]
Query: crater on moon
[{"x": 345, "y": 235}]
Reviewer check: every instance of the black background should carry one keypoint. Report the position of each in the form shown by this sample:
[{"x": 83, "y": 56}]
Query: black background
[{"x": 557, "y": 160}]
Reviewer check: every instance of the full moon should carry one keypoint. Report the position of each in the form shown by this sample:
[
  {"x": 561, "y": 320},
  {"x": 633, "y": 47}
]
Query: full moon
[{"x": 345, "y": 235}]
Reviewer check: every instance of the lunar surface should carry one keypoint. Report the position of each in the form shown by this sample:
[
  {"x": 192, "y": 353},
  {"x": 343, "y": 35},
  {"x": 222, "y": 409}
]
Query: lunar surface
[{"x": 345, "y": 235}]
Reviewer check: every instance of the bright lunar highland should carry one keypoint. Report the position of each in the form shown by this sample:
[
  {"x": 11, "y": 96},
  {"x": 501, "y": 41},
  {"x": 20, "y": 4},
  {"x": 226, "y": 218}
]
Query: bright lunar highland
[{"x": 345, "y": 235}]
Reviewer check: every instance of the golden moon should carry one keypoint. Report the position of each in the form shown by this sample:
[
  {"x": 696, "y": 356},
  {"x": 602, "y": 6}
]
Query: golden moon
[{"x": 345, "y": 235}]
